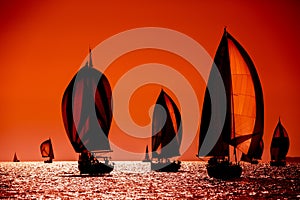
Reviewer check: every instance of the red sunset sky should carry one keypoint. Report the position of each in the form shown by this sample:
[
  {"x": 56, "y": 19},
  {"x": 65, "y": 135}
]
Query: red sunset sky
[{"x": 43, "y": 44}]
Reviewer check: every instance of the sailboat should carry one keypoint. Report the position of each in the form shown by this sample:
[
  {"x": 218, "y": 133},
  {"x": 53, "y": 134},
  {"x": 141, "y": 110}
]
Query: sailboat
[
  {"x": 254, "y": 155},
  {"x": 15, "y": 159},
  {"x": 279, "y": 146},
  {"x": 244, "y": 117},
  {"x": 166, "y": 135},
  {"x": 47, "y": 150},
  {"x": 87, "y": 116},
  {"x": 147, "y": 158}
]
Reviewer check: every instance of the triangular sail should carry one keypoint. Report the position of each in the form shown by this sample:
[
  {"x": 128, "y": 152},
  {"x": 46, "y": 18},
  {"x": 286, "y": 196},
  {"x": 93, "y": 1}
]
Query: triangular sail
[
  {"x": 244, "y": 106},
  {"x": 247, "y": 99},
  {"x": 280, "y": 143},
  {"x": 15, "y": 159},
  {"x": 256, "y": 153},
  {"x": 47, "y": 149},
  {"x": 221, "y": 61},
  {"x": 166, "y": 133},
  {"x": 147, "y": 154},
  {"x": 87, "y": 110},
  {"x": 243, "y": 94}
]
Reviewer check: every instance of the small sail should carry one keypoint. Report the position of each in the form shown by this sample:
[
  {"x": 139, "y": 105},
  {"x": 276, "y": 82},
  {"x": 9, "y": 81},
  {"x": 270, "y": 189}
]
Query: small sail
[
  {"x": 280, "y": 143},
  {"x": 244, "y": 118},
  {"x": 87, "y": 110},
  {"x": 47, "y": 149},
  {"x": 147, "y": 158},
  {"x": 15, "y": 159},
  {"x": 166, "y": 133},
  {"x": 254, "y": 152}
]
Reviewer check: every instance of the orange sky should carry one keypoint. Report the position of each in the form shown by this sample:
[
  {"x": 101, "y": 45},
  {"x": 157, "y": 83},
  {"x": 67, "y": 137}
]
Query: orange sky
[{"x": 43, "y": 44}]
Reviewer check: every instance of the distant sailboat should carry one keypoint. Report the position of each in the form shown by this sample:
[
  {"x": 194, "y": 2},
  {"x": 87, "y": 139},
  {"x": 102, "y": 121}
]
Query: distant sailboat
[
  {"x": 147, "y": 158},
  {"x": 15, "y": 159},
  {"x": 47, "y": 150},
  {"x": 255, "y": 154},
  {"x": 279, "y": 146},
  {"x": 166, "y": 138},
  {"x": 87, "y": 116},
  {"x": 244, "y": 119}
]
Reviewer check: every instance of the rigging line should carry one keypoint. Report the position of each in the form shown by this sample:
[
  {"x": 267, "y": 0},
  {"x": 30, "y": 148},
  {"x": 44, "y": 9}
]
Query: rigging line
[
  {"x": 244, "y": 127},
  {"x": 245, "y": 115},
  {"x": 233, "y": 124},
  {"x": 248, "y": 134},
  {"x": 244, "y": 74},
  {"x": 248, "y": 95}
]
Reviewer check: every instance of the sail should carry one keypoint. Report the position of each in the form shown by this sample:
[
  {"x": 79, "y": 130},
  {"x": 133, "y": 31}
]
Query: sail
[
  {"x": 166, "y": 131},
  {"x": 15, "y": 159},
  {"x": 257, "y": 154},
  {"x": 280, "y": 143},
  {"x": 147, "y": 154},
  {"x": 46, "y": 149},
  {"x": 243, "y": 124},
  {"x": 254, "y": 152},
  {"x": 87, "y": 110},
  {"x": 221, "y": 61}
]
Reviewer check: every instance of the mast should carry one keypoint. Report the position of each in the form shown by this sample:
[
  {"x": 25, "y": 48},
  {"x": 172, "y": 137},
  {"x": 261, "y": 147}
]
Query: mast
[
  {"x": 90, "y": 58},
  {"x": 233, "y": 127},
  {"x": 232, "y": 106},
  {"x": 232, "y": 109},
  {"x": 51, "y": 154}
]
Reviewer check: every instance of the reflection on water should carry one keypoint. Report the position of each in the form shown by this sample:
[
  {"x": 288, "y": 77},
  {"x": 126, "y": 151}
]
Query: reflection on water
[{"x": 135, "y": 180}]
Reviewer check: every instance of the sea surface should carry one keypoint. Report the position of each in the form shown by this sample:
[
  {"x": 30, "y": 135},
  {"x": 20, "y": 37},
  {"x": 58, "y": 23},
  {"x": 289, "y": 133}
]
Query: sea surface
[{"x": 135, "y": 180}]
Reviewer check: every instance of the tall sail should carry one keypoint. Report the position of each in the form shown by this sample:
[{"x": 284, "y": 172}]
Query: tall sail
[
  {"x": 280, "y": 143},
  {"x": 147, "y": 158},
  {"x": 244, "y": 118},
  {"x": 47, "y": 149},
  {"x": 15, "y": 159},
  {"x": 87, "y": 110},
  {"x": 166, "y": 129}
]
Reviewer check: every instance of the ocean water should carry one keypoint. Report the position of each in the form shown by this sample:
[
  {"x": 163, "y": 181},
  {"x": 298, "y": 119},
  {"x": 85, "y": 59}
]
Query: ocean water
[{"x": 135, "y": 180}]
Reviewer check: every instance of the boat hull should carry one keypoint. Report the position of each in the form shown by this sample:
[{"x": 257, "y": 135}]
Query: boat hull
[
  {"x": 166, "y": 167},
  {"x": 94, "y": 168},
  {"x": 224, "y": 171},
  {"x": 279, "y": 163},
  {"x": 48, "y": 161},
  {"x": 255, "y": 162}
]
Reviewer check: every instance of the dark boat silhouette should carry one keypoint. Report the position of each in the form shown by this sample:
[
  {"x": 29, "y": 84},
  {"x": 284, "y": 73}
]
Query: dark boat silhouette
[
  {"x": 255, "y": 154},
  {"x": 87, "y": 116},
  {"x": 15, "y": 158},
  {"x": 147, "y": 158},
  {"x": 166, "y": 135},
  {"x": 244, "y": 117},
  {"x": 47, "y": 150},
  {"x": 279, "y": 145}
]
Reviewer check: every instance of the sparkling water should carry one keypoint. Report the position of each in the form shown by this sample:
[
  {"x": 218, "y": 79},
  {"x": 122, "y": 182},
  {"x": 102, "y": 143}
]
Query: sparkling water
[{"x": 135, "y": 180}]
